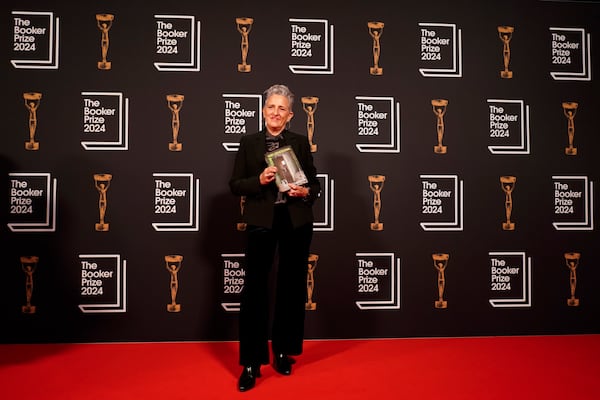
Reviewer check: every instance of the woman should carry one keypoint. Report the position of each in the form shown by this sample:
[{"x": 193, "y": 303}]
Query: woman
[{"x": 279, "y": 222}]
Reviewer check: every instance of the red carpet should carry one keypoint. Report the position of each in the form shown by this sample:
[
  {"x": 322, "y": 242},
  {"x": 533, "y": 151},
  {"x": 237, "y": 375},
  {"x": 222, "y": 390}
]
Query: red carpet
[{"x": 537, "y": 367}]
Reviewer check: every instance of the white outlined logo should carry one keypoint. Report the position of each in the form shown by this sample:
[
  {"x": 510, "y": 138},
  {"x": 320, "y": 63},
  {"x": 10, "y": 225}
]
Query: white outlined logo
[
  {"x": 573, "y": 203},
  {"x": 378, "y": 121},
  {"x": 105, "y": 117},
  {"x": 311, "y": 46},
  {"x": 35, "y": 40},
  {"x": 508, "y": 126},
  {"x": 443, "y": 202},
  {"x": 32, "y": 202},
  {"x": 510, "y": 279},
  {"x": 571, "y": 54},
  {"x": 176, "y": 197},
  {"x": 327, "y": 213},
  {"x": 233, "y": 280},
  {"x": 378, "y": 276},
  {"x": 103, "y": 283},
  {"x": 177, "y": 43},
  {"x": 240, "y": 112},
  {"x": 440, "y": 50}
]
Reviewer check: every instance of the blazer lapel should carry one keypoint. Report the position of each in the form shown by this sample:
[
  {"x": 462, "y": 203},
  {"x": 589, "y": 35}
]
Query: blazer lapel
[
  {"x": 259, "y": 146},
  {"x": 290, "y": 140}
]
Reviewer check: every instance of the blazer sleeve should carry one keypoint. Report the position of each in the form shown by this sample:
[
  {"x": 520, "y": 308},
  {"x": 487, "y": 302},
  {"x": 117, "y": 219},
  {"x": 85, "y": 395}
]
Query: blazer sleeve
[{"x": 245, "y": 179}]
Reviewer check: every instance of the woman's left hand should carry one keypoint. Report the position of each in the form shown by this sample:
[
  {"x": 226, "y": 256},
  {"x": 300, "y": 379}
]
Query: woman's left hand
[{"x": 297, "y": 191}]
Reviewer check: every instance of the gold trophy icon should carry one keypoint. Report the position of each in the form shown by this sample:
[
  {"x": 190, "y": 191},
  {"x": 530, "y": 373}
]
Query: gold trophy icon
[
  {"x": 173, "y": 265},
  {"x": 439, "y": 109},
  {"x": 569, "y": 109},
  {"x": 376, "y": 185},
  {"x": 376, "y": 30},
  {"x": 32, "y": 102},
  {"x": 175, "y": 102},
  {"x": 440, "y": 262},
  {"x": 508, "y": 185},
  {"x": 104, "y": 22},
  {"x": 241, "y": 226},
  {"x": 309, "y": 104},
  {"x": 505, "y": 33},
  {"x": 572, "y": 260},
  {"x": 244, "y": 25},
  {"x": 310, "y": 282},
  {"x": 102, "y": 182},
  {"x": 29, "y": 265}
]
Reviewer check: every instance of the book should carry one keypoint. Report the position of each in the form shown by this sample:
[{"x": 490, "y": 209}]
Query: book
[{"x": 288, "y": 168}]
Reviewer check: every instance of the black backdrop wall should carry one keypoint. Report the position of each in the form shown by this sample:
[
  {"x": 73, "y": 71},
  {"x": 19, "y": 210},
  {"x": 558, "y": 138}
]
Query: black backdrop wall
[{"x": 457, "y": 144}]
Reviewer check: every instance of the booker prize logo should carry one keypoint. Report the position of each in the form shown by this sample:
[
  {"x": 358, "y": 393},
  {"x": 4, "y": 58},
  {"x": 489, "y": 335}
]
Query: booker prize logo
[
  {"x": 310, "y": 282},
  {"x": 442, "y": 206},
  {"x": 173, "y": 265},
  {"x": 440, "y": 262},
  {"x": 175, "y": 102},
  {"x": 234, "y": 274},
  {"x": 311, "y": 46},
  {"x": 241, "y": 114},
  {"x": 102, "y": 183},
  {"x": 324, "y": 210},
  {"x": 32, "y": 202},
  {"x": 508, "y": 126},
  {"x": 505, "y": 33},
  {"x": 440, "y": 50},
  {"x": 177, "y": 46},
  {"x": 35, "y": 40},
  {"x": 510, "y": 279},
  {"x": 103, "y": 283},
  {"x": 377, "y": 124},
  {"x": 571, "y": 54},
  {"x": 378, "y": 281},
  {"x": 176, "y": 202},
  {"x": 244, "y": 26},
  {"x": 104, "y": 23},
  {"x": 28, "y": 265},
  {"x": 105, "y": 121},
  {"x": 573, "y": 203},
  {"x": 572, "y": 261},
  {"x": 32, "y": 103},
  {"x": 376, "y": 30}
]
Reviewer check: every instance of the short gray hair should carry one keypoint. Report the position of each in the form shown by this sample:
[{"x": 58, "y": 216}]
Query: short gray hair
[{"x": 281, "y": 90}]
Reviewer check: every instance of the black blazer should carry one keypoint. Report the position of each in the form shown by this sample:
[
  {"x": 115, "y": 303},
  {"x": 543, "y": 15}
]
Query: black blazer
[{"x": 260, "y": 199}]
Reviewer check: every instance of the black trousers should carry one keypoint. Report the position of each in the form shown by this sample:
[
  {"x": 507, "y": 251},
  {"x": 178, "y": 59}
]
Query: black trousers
[{"x": 292, "y": 246}]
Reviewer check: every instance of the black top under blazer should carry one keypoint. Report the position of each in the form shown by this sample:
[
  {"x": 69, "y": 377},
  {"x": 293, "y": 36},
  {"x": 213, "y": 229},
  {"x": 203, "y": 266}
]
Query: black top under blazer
[{"x": 260, "y": 199}]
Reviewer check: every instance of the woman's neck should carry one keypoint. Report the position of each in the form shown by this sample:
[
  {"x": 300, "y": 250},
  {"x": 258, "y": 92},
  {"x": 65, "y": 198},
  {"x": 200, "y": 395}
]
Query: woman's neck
[{"x": 269, "y": 132}]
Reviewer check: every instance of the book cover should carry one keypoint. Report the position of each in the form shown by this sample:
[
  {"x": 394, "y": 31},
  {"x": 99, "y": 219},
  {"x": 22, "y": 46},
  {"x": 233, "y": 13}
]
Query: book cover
[{"x": 288, "y": 168}]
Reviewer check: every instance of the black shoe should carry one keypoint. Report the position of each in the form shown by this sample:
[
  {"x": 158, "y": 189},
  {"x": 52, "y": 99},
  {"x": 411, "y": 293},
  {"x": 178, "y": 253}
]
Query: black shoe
[
  {"x": 248, "y": 378},
  {"x": 283, "y": 364}
]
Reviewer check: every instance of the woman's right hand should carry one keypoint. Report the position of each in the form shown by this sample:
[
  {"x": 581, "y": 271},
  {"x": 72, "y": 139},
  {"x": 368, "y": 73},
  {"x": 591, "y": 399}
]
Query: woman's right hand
[{"x": 267, "y": 176}]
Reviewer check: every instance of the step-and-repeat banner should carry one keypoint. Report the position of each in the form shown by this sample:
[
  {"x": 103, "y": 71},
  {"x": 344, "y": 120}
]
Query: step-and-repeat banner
[{"x": 457, "y": 145}]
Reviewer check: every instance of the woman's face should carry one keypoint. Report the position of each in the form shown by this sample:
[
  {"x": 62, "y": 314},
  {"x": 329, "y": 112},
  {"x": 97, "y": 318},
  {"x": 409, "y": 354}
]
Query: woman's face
[{"x": 277, "y": 113}]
